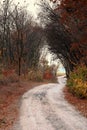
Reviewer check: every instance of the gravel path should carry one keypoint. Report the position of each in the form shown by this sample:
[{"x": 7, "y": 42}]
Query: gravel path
[{"x": 44, "y": 108}]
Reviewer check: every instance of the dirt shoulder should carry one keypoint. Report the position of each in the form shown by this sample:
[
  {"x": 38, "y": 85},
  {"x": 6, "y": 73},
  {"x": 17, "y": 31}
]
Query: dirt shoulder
[
  {"x": 80, "y": 104},
  {"x": 10, "y": 102}
]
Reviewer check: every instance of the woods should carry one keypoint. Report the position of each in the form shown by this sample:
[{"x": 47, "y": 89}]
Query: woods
[
  {"x": 42, "y": 45},
  {"x": 63, "y": 27},
  {"x": 20, "y": 38}
]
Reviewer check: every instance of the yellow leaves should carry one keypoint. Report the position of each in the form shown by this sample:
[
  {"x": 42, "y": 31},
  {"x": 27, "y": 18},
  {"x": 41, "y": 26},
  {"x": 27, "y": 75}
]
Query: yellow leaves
[
  {"x": 78, "y": 82},
  {"x": 80, "y": 88}
]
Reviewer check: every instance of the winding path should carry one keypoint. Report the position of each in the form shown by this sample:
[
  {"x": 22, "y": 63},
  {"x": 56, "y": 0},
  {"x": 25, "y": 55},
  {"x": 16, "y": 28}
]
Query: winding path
[{"x": 44, "y": 108}]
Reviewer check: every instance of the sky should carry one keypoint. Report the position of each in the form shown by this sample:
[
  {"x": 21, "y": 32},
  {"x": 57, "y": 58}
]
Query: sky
[{"x": 32, "y": 6}]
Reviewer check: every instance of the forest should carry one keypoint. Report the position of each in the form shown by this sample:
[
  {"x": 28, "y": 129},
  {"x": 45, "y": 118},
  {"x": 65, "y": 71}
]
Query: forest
[
  {"x": 61, "y": 28},
  {"x": 21, "y": 39}
]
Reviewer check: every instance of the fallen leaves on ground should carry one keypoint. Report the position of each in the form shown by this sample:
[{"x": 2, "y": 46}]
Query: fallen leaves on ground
[
  {"x": 80, "y": 104},
  {"x": 9, "y": 102}
]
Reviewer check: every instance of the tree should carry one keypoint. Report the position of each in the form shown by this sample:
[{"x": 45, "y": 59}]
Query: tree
[
  {"x": 5, "y": 30},
  {"x": 74, "y": 19},
  {"x": 63, "y": 32},
  {"x": 34, "y": 45},
  {"x": 20, "y": 38},
  {"x": 27, "y": 39},
  {"x": 57, "y": 37}
]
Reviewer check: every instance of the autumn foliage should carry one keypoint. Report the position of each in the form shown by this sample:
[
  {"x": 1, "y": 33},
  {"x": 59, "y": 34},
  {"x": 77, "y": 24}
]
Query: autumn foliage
[
  {"x": 72, "y": 15},
  {"x": 77, "y": 82}
]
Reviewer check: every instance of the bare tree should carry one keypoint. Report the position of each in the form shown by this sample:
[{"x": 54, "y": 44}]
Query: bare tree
[{"x": 21, "y": 39}]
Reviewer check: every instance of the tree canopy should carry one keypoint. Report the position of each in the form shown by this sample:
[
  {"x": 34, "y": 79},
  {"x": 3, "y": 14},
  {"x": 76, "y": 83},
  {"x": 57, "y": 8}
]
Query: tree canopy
[{"x": 65, "y": 25}]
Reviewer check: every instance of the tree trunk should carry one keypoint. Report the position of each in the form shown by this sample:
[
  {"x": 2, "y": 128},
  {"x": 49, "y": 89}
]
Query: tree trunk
[{"x": 19, "y": 66}]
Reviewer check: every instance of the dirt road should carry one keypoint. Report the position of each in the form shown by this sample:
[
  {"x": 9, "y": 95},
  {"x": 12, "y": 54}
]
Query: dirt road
[{"x": 44, "y": 108}]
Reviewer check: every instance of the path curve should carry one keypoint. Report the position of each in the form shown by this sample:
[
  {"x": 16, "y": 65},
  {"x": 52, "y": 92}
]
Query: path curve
[{"x": 44, "y": 108}]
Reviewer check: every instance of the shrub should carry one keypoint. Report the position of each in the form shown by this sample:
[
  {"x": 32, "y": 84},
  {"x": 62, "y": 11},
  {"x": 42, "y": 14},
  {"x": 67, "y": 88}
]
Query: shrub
[
  {"x": 77, "y": 82},
  {"x": 35, "y": 75},
  {"x": 48, "y": 75},
  {"x": 8, "y": 76},
  {"x": 12, "y": 78}
]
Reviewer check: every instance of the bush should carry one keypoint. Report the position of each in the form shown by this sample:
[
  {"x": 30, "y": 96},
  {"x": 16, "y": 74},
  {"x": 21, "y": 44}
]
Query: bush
[
  {"x": 35, "y": 75},
  {"x": 77, "y": 82},
  {"x": 12, "y": 78},
  {"x": 8, "y": 76}
]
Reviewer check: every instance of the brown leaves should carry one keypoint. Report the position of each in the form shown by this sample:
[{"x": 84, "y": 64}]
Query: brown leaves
[
  {"x": 74, "y": 11},
  {"x": 80, "y": 104},
  {"x": 74, "y": 16},
  {"x": 9, "y": 99},
  {"x": 74, "y": 46}
]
